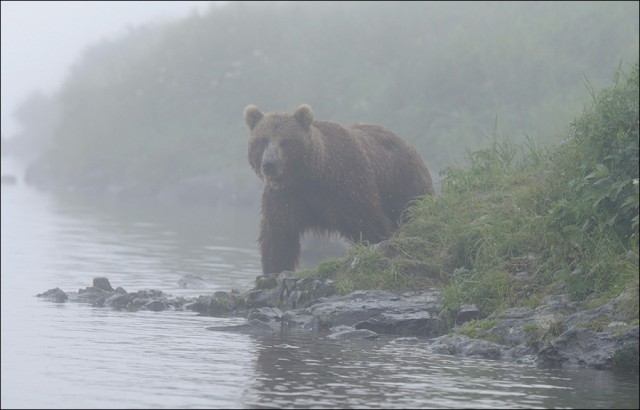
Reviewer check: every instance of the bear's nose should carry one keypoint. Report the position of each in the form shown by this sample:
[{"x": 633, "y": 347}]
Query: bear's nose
[{"x": 269, "y": 167}]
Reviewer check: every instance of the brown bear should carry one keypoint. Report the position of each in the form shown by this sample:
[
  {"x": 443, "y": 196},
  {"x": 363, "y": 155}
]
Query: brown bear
[{"x": 320, "y": 176}]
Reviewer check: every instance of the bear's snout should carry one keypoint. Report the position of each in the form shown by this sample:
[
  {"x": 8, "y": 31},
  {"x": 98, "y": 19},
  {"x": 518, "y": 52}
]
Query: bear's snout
[{"x": 269, "y": 168}]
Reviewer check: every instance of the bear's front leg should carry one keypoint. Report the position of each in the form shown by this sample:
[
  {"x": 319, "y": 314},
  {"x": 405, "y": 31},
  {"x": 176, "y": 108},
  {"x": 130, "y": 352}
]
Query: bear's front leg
[
  {"x": 280, "y": 247},
  {"x": 279, "y": 235}
]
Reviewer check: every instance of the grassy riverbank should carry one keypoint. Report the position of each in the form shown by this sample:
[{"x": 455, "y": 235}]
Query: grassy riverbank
[{"x": 520, "y": 222}]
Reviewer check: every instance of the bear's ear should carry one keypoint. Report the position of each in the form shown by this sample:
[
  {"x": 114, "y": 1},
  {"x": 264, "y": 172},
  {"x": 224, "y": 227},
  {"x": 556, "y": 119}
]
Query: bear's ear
[
  {"x": 252, "y": 115},
  {"x": 304, "y": 116}
]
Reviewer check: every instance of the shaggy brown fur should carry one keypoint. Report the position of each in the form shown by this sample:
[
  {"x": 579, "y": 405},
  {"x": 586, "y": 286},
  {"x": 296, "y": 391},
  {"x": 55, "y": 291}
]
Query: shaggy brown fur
[{"x": 319, "y": 175}]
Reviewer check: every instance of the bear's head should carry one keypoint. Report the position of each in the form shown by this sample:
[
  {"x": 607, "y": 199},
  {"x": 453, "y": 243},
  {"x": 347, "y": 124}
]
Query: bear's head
[{"x": 279, "y": 143}]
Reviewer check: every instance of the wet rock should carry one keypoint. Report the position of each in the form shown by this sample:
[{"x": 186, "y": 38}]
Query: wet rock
[
  {"x": 510, "y": 331},
  {"x": 555, "y": 333},
  {"x": 92, "y": 295},
  {"x": 175, "y": 303},
  {"x": 353, "y": 334},
  {"x": 468, "y": 313},
  {"x": 215, "y": 305},
  {"x": 217, "y": 308},
  {"x": 461, "y": 345},
  {"x": 580, "y": 347},
  {"x": 150, "y": 294},
  {"x": 520, "y": 354},
  {"x": 155, "y": 306},
  {"x": 228, "y": 298},
  {"x": 55, "y": 295},
  {"x": 265, "y": 314},
  {"x": 409, "y": 314},
  {"x": 102, "y": 284},
  {"x": 137, "y": 303},
  {"x": 267, "y": 281},
  {"x": 483, "y": 349},
  {"x": 285, "y": 291},
  {"x": 306, "y": 291},
  {"x": 300, "y": 319},
  {"x": 196, "y": 306},
  {"x": 119, "y": 301},
  {"x": 627, "y": 357},
  {"x": 262, "y": 298},
  {"x": 414, "y": 323}
]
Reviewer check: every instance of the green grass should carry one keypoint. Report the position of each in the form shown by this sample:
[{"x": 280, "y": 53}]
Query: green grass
[
  {"x": 540, "y": 333},
  {"x": 475, "y": 329},
  {"x": 520, "y": 221}
]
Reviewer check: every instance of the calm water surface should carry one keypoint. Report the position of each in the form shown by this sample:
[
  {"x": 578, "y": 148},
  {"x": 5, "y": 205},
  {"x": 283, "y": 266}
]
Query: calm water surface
[{"x": 76, "y": 356}]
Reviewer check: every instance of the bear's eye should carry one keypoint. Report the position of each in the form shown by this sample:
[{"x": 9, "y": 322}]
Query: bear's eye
[
  {"x": 263, "y": 141},
  {"x": 285, "y": 143}
]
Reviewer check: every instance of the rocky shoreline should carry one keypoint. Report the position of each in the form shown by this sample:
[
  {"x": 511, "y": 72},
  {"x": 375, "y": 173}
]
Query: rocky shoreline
[{"x": 557, "y": 333}]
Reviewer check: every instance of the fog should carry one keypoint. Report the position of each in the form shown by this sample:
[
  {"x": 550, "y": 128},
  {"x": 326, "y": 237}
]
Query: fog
[
  {"x": 146, "y": 98},
  {"x": 41, "y": 40},
  {"x": 124, "y": 155}
]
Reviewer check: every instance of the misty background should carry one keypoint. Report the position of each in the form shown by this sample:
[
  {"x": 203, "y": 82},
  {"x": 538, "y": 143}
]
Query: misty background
[
  {"x": 41, "y": 40},
  {"x": 146, "y": 99}
]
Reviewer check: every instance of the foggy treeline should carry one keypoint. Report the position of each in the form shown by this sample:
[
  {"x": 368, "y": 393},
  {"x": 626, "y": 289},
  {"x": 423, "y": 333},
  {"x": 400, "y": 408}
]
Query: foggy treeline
[{"x": 164, "y": 103}]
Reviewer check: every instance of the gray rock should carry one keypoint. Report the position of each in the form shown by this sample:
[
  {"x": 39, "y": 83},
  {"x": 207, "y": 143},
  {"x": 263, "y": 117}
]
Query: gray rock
[
  {"x": 102, "y": 284},
  {"x": 137, "y": 303},
  {"x": 354, "y": 334},
  {"x": 261, "y": 298},
  {"x": 414, "y": 323},
  {"x": 468, "y": 313},
  {"x": 579, "y": 347},
  {"x": 461, "y": 345},
  {"x": 267, "y": 281},
  {"x": 300, "y": 319},
  {"x": 55, "y": 295},
  {"x": 119, "y": 301},
  {"x": 409, "y": 314},
  {"x": 265, "y": 314},
  {"x": 156, "y": 306},
  {"x": 217, "y": 306},
  {"x": 481, "y": 348},
  {"x": 555, "y": 333}
]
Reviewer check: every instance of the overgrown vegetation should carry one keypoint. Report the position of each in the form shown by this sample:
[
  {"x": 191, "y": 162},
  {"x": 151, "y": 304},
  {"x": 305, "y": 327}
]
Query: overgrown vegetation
[
  {"x": 540, "y": 333},
  {"x": 522, "y": 221}
]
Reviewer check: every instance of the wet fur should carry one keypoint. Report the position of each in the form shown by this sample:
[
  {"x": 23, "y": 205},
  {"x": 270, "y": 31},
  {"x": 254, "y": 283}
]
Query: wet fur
[{"x": 353, "y": 180}]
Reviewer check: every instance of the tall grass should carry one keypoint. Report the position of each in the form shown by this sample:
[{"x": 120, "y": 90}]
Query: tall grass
[{"x": 519, "y": 222}]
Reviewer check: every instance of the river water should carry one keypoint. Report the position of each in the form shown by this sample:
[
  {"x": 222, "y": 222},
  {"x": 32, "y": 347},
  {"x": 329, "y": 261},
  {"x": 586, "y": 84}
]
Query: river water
[{"x": 73, "y": 355}]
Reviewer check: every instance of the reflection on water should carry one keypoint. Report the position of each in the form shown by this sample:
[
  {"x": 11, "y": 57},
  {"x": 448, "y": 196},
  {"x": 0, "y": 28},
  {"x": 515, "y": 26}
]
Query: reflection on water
[
  {"x": 298, "y": 370},
  {"x": 155, "y": 245},
  {"x": 74, "y": 355}
]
